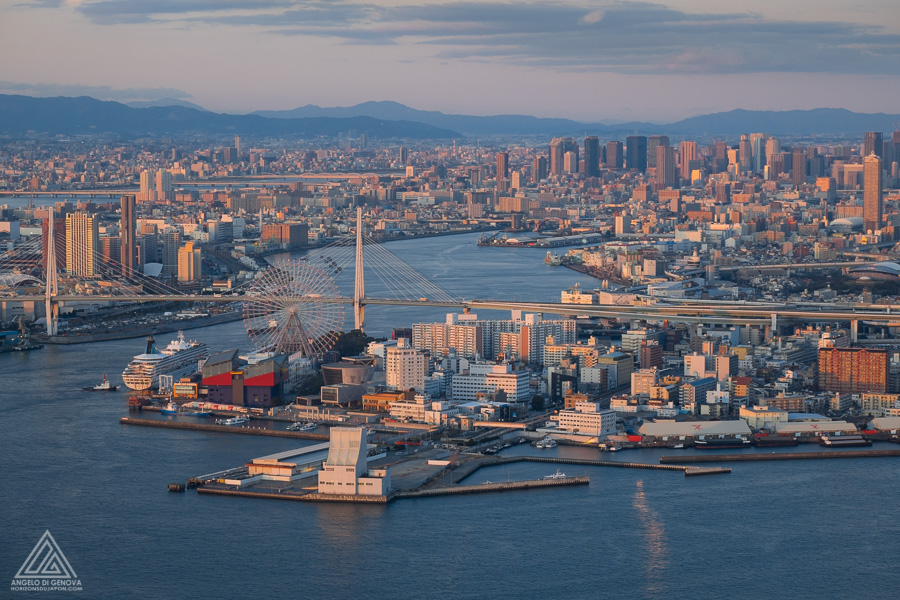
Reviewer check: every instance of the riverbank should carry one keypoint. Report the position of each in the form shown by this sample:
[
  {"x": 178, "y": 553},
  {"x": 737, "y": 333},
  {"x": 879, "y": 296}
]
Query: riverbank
[{"x": 124, "y": 334}]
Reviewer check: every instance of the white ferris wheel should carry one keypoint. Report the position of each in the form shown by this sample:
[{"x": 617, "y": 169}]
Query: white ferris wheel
[{"x": 293, "y": 308}]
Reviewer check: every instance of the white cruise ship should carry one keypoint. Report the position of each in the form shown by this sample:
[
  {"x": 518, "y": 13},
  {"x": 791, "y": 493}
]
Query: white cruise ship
[{"x": 179, "y": 359}]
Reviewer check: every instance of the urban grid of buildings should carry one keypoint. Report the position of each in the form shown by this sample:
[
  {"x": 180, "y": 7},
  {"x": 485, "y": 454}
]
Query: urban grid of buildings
[{"x": 658, "y": 219}]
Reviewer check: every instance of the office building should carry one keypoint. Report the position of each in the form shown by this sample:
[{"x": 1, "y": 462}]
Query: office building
[
  {"x": 665, "y": 167},
  {"x": 591, "y": 156},
  {"x": 558, "y": 149},
  {"x": 614, "y": 155},
  {"x": 873, "y": 144},
  {"x": 636, "y": 153},
  {"x": 873, "y": 198},
  {"x": 688, "y": 156},
  {"x": 654, "y": 142},
  {"x": 539, "y": 169}
]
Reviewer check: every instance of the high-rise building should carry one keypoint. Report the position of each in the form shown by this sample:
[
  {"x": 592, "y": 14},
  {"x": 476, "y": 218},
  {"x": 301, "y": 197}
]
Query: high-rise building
[
  {"x": 237, "y": 146},
  {"x": 163, "y": 185},
  {"x": 405, "y": 367},
  {"x": 502, "y": 171},
  {"x": 665, "y": 167},
  {"x": 171, "y": 240},
  {"x": 873, "y": 200},
  {"x": 688, "y": 155},
  {"x": 614, "y": 155},
  {"x": 654, "y": 142},
  {"x": 404, "y": 156},
  {"x": 873, "y": 144},
  {"x": 111, "y": 251},
  {"x": 539, "y": 169},
  {"x": 758, "y": 142},
  {"x": 745, "y": 153},
  {"x": 82, "y": 244},
  {"x": 190, "y": 263},
  {"x": 502, "y": 165},
  {"x": 854, "y": 370},
  {"x": 591, "y": 156},
  {"x": 570, "y": 162},
  {"x": 798, "y": 167},
  {"x": 127, "y": 235},
  {"x": 636, "y": 153},
  {"x": 59, "y": 235},
  {"x": 558, "y": 149}
]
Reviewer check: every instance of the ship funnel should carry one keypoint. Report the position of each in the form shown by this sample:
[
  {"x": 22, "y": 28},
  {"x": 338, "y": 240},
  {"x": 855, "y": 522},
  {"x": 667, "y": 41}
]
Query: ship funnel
[{"x": 150, "y": 343}]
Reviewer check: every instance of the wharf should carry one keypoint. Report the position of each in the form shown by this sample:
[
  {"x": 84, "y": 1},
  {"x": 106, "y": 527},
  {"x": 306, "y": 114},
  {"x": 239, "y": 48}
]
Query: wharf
[
  {"x": 465, "y": 470},
  {"x": 302, "y": 435},
  {"x": 494, "y": 487},
  {"x": 705, "y": 458}
]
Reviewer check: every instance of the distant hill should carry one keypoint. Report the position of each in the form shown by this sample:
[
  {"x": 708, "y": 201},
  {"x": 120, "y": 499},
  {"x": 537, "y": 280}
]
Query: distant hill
[
  {"x": 826, "y": 121},
  {"x": 69, "y": 116},
  {"x": 788, "y": 122},
  {"x": 163, "y": 102},
  {"x": 497, "y": 124}
]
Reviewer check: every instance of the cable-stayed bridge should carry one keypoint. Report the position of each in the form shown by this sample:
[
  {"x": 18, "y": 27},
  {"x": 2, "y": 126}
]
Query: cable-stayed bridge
[{"x": 301, "y": 294}]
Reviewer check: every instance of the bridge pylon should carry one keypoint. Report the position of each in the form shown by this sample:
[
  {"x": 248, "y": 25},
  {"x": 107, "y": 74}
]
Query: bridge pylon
[
  {"x": 51, "y": 289},
  {"x": 359, "y": 292}
]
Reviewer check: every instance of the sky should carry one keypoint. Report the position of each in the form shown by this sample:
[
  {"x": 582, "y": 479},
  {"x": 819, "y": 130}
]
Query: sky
[{"x": 586, "y": 60}]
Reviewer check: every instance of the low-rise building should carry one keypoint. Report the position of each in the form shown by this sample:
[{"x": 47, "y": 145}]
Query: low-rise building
[
  {"x": 345, "y": 471},
  {"x": 588, "y": 418}
]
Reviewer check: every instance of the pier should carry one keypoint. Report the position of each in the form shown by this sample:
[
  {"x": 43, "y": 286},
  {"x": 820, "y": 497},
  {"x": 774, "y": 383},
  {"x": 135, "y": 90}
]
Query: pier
[
  {"x": 506, "y": 486},
  {"x": 469, "y": 468},
  {"x": 302, "y": 435},
  {"x": 706, "y": 458}
]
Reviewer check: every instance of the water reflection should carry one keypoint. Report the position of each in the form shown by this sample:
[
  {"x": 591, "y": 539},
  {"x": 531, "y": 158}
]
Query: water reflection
[{"x": 655, "y": 540}]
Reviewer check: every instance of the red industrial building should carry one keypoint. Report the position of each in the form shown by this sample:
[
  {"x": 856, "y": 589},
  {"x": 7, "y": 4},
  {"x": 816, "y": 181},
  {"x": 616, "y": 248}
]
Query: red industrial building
[{"x": 231, "y": 380}]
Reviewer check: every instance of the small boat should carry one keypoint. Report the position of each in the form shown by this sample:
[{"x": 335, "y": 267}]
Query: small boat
[
  {"x": 557, "y": 475},
  {"x": 232, "y": 421},
  {"x": 103, "y": 386},
  {"x": 549, "y": 443},
  {"x": 843, "y": 441},
  {"x": 169, "y": 408},
  {"x": 298, "y": 426}
]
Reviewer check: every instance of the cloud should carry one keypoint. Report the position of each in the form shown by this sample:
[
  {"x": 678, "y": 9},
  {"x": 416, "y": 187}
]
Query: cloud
[
  {"x": 102, "y": 92},
  {"x": 621, "y": 37}
]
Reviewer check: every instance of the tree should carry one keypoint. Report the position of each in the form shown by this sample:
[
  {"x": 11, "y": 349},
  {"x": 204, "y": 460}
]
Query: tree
[{"x": 537, "y": 403}]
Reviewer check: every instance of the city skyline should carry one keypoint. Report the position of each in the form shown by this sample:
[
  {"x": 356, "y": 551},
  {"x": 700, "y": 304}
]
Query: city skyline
[{"x": 466, "y": 58}]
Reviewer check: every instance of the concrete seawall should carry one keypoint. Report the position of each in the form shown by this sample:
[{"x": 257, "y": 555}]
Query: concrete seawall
[
  {"x": 300, "y": 435},
  {"x": 705, "y": 458}
]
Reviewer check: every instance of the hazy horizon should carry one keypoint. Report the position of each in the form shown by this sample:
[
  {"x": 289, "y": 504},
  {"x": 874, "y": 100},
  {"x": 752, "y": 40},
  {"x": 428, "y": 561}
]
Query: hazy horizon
[{"x": 587, "y": 61}]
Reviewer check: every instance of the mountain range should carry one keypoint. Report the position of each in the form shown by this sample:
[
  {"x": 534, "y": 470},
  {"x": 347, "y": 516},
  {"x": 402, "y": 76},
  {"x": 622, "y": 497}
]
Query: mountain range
[
  {"x": 82, "y": 115},
  {"x": 825, "y": 121},
  {"x": 170, "y": 117}
]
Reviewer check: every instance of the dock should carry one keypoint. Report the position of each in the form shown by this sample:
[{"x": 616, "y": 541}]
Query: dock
[
  {"x": 469, "y": 468},
  {"x": 301, "y": 435},
  {"x": 707, "y": 458},
  {"x": 494, "y": 487}
]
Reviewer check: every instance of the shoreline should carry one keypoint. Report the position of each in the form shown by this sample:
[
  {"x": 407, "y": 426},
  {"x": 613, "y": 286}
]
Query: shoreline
[{"x": 88, "y": 338}]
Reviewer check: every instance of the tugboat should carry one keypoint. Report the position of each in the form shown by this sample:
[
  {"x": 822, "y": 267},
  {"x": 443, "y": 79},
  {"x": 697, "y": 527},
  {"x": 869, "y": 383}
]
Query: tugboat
[{"x": 103, "y": 386}]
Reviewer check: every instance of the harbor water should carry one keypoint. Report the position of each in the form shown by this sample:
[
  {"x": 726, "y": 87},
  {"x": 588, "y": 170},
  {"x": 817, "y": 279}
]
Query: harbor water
[{"x": 804, "y": 529}]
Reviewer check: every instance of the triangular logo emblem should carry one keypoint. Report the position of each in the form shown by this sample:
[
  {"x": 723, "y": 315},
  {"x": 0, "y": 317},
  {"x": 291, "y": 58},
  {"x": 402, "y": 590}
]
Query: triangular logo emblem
[{"x": 46, "y": 560}]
